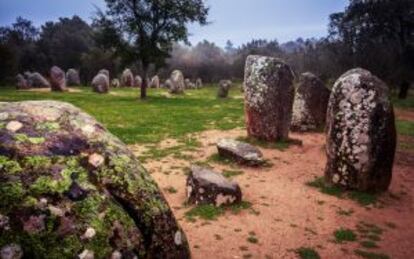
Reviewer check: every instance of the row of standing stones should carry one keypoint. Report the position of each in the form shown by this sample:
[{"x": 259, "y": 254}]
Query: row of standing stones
[
  {"x": 101, "y": 83},
  {"x": 359, "y": 119},
  {"x": 69, "y": 187}
]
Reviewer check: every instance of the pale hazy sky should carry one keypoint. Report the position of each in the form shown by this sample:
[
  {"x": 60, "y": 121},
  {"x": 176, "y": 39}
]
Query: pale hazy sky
[{"x": 235, "y": 20}]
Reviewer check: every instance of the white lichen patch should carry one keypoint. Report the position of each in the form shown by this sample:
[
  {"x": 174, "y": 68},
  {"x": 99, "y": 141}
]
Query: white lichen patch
[
  {"x": 222, "y": 199},
  {"x": 14, "y": 126},
  {"x": 355, "y": 100},
  {"x": 178, "y": 238}
]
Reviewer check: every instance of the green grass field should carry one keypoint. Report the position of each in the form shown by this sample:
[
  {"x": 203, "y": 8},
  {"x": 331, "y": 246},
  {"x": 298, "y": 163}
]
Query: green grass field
[
  {"x": 162, "y": 115},
  {"x": 149, "y": 121}
]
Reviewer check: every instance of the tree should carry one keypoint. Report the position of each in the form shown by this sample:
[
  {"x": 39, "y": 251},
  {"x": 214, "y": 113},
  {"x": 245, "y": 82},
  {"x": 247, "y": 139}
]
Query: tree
[
  {"x": 378, "y": 35},
  {"x": 145, "y": 30},
  {"x": 65, "y": 41}
]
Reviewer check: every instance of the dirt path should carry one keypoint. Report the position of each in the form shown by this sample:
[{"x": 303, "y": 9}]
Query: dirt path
[{"x": 287, "y": 214}]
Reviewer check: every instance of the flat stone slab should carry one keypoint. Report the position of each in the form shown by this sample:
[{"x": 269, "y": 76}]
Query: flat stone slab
[
  {"x": 240, "y": 152},
  {"x": 205, "y": 186}
]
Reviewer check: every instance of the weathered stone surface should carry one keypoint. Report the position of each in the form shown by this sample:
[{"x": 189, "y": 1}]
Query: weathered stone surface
[
  {"x": 205, "y": 186},
  {"x": 72, "y": 77},
  {"x": 310, "y": 104},
  {"x": 127, "y": 78},
  {"x": 57, "y": 193},
  {"x": 199, "y": 83},
  {"x": 100, "y": 83},
  {"x": 188, "y": 84},
  {"x": 115, "y": 83},
  {"x": 11, "y": 251},
  {"x": 138, "y": 82},
  {"x": 240, "y": 152},
  {"x": 105, "y": 72},
  {"x": 155, "y": 82},
  {"x": 269, "y": 94},
  {"x": 177, "y": 85},
  {"x": 223, "y": 89},
  {"x": 361, "y": 135},
  {"x": 36, "y": 80},
  {"x": 21, "y": 82},
  {"x": 57, "y": 79}
]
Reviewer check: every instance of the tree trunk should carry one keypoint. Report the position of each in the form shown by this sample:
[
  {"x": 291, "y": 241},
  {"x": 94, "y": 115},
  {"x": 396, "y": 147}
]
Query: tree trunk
[
  {"x": 404, "y": 87},
  {"x": 144, "y": 82}
]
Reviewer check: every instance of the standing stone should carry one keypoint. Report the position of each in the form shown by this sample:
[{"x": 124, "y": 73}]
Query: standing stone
[
  {"x": 36, "y": 80},
  {"x": 117, "y": 207},
  {"x": 199, "y": 83},
  {"x": 105, "y": 72},
  {"x": 269, "y": 94},
  {"x": 224, "y": 87},
  {"x": 310, "y": 104},
  {"x": 168, "y": 84},
  {"x": 361, "y": 135},
  {"x": 21, "y": 82},
  {"x": 177, "y": 82},
  {"x": 100, "y": 83},
  {"x": 57, "y": 79},
  {"x": 205, "y": 186},
  {"x": 115, "y": 83},
  {"x": 72, "y": 77},
  {"x": 155, "y": 82},
  {"x": 127, "y": 78}
]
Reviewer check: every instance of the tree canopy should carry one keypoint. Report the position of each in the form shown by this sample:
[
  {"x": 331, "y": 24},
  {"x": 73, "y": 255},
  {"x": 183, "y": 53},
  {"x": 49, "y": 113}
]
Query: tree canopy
[{"x": 145, "y": 30}]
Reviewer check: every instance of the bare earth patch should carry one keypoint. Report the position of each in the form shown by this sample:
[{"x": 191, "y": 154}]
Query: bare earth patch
[{"x": 286, "y": 214}]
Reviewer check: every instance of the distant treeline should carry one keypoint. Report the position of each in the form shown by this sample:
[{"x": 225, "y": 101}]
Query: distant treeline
[{"x": 376, "y": 35}]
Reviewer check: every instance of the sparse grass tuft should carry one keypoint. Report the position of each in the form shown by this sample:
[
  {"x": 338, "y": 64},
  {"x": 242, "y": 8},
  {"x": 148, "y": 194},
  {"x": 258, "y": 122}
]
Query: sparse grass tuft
[
  {"x": 344, "y": 235},
  {"x": 307, "y": 253},
  {"x": 207, "y": 212},
  {"x": 368, "y": 244},
  {"x": 232, "y": 173},
  {"x": 361, "y": 198},
  {"x": 370, "y": 255},
  {"x": 280, "y": 145},
  {"x": 211, "y": 212}
]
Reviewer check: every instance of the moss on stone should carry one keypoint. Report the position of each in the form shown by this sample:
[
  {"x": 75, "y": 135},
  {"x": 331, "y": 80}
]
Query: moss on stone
[
  {"x": 23, "y": 138},
  {"x": 11, "y": 194},
  {"x": 48, "y": 126},
  {"x": 9, "y": 166}
]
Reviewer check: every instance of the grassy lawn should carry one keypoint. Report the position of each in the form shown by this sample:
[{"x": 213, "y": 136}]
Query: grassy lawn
[
  {"x": 161, "y": 115},
  {"x": 149, "y": 121}
]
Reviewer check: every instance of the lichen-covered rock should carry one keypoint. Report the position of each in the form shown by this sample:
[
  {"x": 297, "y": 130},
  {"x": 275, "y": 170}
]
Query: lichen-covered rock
[
  {"x": 269, "y": 94},
  {"x": 177, "y": 85},
  {"x": 240, "y": 152},
  {"x": 127, "y": 78},
  {"x": 199, "y": 83},
  {"x": 188, "y": 84},
  {"x": 57, "y": 79},
  {"x": 36, "y": 80},
  {"x": 361, "y": 135},
  {"x": 105, "y": 72},
  {"x": 205, "y": 186},
  {"x": 223, "y": 89},
  {"x": 69, "y": 188},
  {"x": 21, "y": 82},
  {"x": 100, "y": 83},
  {"x": 72, "y": 77},
  {"x": 115, "y": 83},
  {"x": 155, "y": 82},
  {"x": 310, "y": 104},
  {"x": 138, "y": 82}
]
